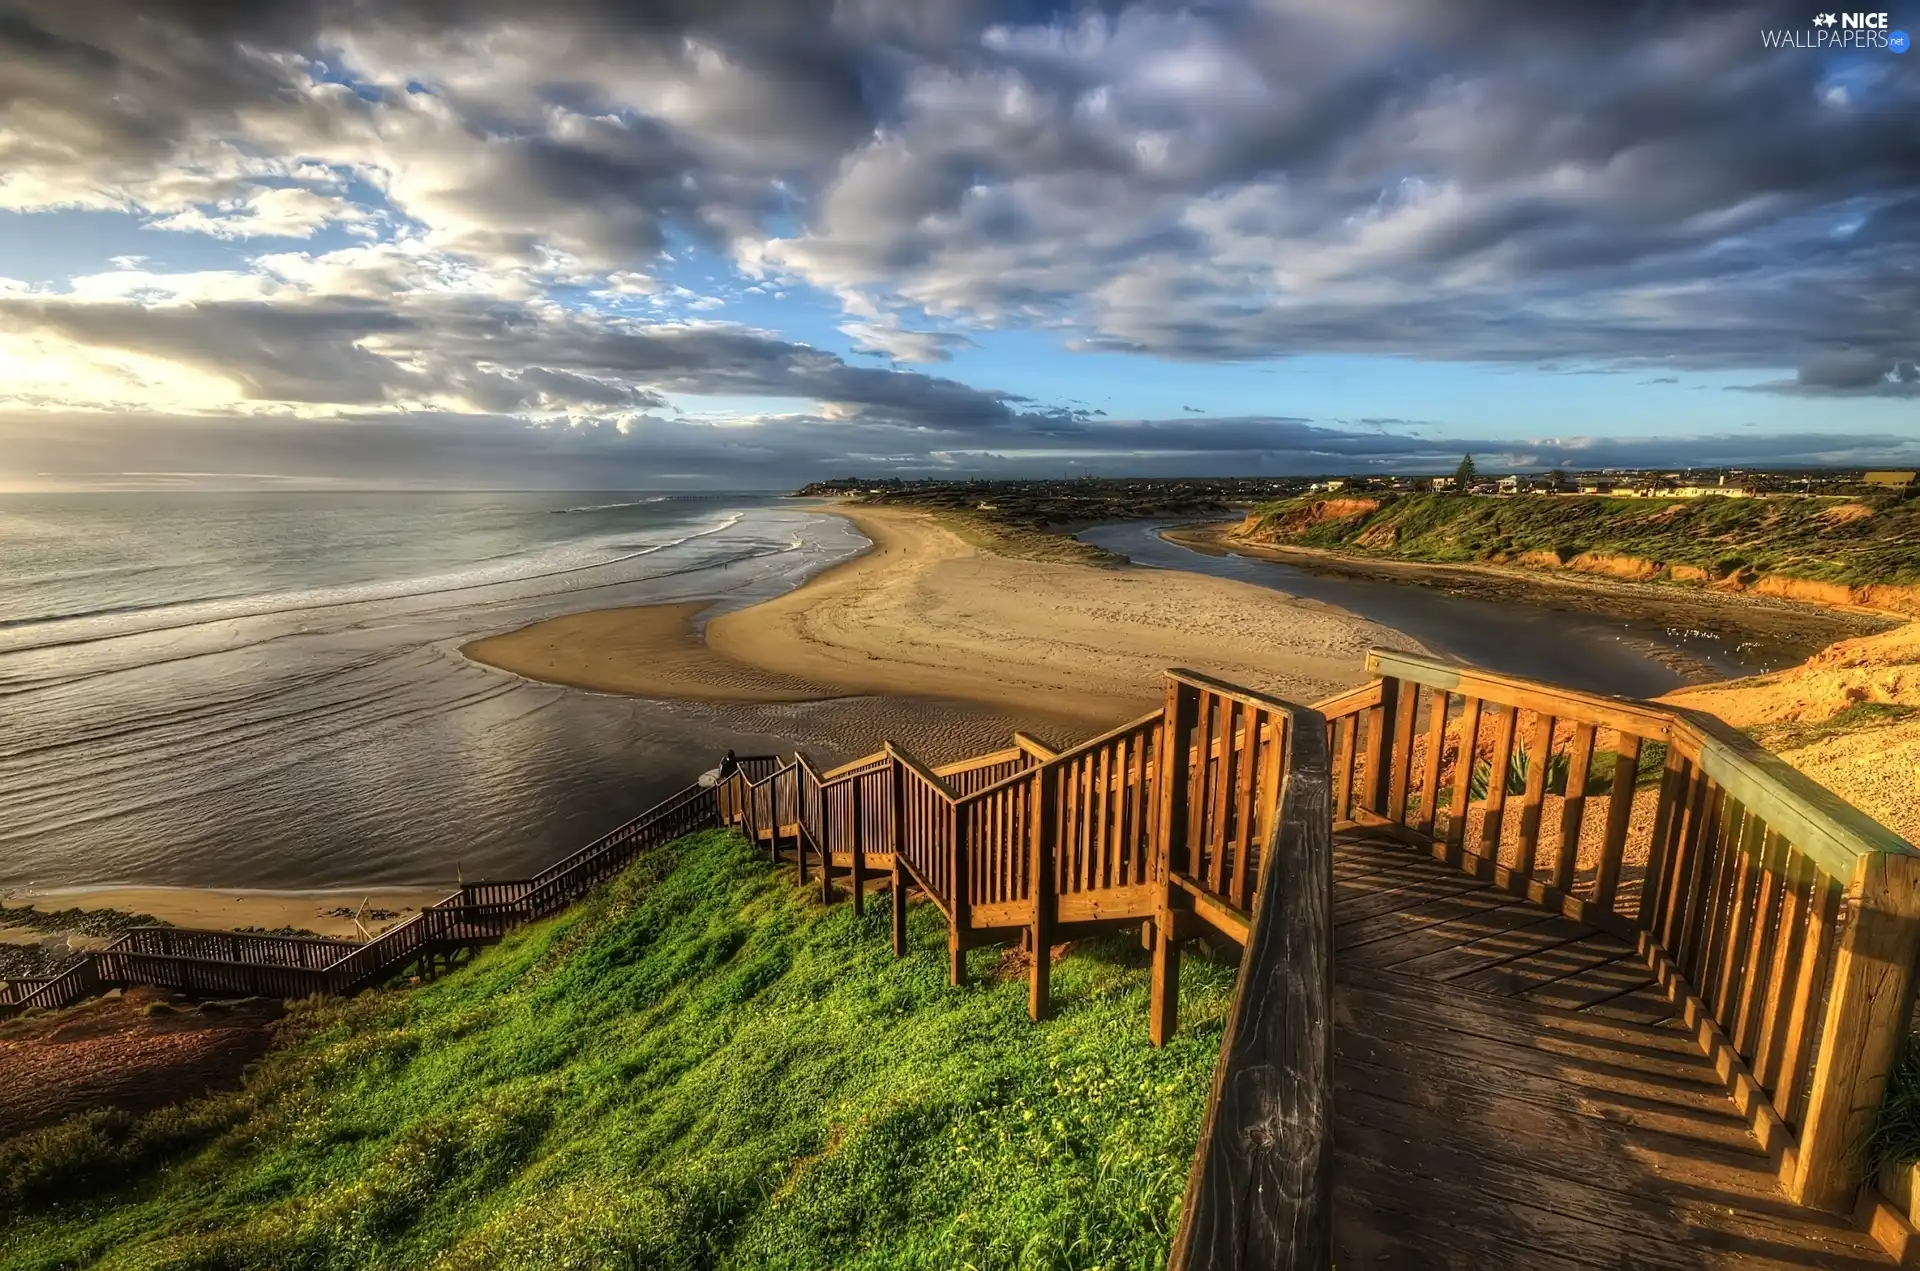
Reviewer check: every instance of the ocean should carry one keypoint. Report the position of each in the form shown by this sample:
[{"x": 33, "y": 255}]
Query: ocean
[{"x": 266, "y": 690}]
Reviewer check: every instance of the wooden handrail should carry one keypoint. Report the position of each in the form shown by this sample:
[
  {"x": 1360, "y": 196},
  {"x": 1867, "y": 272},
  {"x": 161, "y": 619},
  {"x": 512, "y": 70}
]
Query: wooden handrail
[
  {"x": 852, "y": 766},
  {"x": 1817, "y": 821},
  {"x": 988, "y": 760},
  {"x": 1642, "y": 719},
  {"x": 1033, "y": 746},
  {"x": 1351, "y": 702},
  {"x": 921, "y": 771},
  {"x": 1260, "y": 1192}
]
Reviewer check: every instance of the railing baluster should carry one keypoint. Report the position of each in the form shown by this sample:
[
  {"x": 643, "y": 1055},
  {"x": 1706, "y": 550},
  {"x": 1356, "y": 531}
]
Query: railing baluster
[
  {"x": 1494, "y": 810},
  {"x": 1430, "y": 768},
  {"x": 1465, "y": 756},
  {"x": 1573, "y": 807},
  {"x": 1620, "y": 800},
  {"x": 1540, "y": 747}
]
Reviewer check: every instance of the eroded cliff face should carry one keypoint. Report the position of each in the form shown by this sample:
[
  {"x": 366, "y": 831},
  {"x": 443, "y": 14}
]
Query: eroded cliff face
[{"x": 1349, "y": 523}]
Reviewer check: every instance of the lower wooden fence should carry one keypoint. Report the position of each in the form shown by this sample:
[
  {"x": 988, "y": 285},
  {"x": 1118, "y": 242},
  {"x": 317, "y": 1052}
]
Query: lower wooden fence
[{"x": 238, "y": 964}]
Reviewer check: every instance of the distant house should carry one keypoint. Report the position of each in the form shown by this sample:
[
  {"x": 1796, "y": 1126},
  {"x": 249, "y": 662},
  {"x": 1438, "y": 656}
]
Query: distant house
[
  {"x": 1511, "y": 485},
  {"x": 1892, "y": 480},
  {"x": 1704, "y": 491},
  {"x": 1333, "y": 486}
]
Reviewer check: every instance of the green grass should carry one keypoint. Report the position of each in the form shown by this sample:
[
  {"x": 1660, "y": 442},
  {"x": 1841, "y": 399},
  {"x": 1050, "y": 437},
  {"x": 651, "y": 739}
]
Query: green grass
[
  {"x": 1798, "y": 537},
  {"x": 698, "y": 1067},
  {"x": 1895, "y": 1136}
]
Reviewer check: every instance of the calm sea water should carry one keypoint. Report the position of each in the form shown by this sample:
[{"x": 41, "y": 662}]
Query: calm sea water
[{"x": 266, "y": 690}]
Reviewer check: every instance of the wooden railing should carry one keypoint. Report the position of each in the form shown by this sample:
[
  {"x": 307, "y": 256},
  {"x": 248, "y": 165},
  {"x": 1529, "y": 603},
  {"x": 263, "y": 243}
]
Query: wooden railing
[
  {"x": 233, "y": 946},
  {"x": 1049, "y": 846},
  {"x": 1782, "y": 922},
  {"x": 1260, "y": 1193},
  {"x": 226, "y": 963}
]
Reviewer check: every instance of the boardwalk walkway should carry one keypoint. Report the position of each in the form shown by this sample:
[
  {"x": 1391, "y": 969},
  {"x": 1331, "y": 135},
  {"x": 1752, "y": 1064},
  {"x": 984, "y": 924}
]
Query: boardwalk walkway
[{"x": 1511, "y": 1091}]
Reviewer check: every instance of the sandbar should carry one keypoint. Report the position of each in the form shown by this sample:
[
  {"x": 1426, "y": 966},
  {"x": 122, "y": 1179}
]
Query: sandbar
[{"x": 927, "y": 615}]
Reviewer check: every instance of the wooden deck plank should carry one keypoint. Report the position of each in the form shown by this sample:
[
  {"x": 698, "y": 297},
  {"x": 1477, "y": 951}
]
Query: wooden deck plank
[
  {"x": 1511, "y": 1091},
  {"x": 1356, "y": 901},
  {"x": 1522, "y": 1151},
  {"x": 1537, "y": 970},
  {"x": 1455, "y": 912},
  {"x": 1596, "y": 985},
  {"x": 1643, "y": 1006},
  {"x": 1504, "y": 946}
]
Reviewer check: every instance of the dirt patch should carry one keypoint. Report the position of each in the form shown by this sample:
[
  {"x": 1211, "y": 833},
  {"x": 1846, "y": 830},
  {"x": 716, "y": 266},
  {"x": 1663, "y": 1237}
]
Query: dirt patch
[
  {"x": 1613, "y": 565},
  {"x": 1846, "y": 514},
  {"x": 1017, "y": 961},
  {"x": 1321, "y": 511},
  {"x": 1804, "y": 590},
  {"x": 134, "y": 1053}
]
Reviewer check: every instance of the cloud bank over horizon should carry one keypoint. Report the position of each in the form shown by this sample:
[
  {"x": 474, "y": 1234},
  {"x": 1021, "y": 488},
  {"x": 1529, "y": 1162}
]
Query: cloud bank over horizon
[{"x": 764, "y": 242}]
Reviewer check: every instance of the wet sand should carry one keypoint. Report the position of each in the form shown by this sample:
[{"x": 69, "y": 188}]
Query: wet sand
[
  {"x": 926, "y": 616},
  {"x": 227, "y": 910}
]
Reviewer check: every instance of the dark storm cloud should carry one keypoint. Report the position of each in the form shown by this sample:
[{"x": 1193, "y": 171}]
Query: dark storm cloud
[
  {"x": 1582, "y": 183},
  {"x": 1491, "y": 180},
  {"x": 481, "y": 450},
  {"x": 502, "y": 357}
]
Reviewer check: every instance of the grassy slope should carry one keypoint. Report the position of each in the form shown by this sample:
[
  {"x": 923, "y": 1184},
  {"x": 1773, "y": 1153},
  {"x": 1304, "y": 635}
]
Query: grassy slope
[
  {"x": 697, "y": 1068},
  {"x": 1796, "y": 537}
]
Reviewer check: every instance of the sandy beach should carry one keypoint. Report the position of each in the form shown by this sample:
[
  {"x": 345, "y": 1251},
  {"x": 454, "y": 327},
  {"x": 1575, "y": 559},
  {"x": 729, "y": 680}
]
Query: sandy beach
[
  {"x": 326, "y": 913},
  {"x": 928, "y": 616}
]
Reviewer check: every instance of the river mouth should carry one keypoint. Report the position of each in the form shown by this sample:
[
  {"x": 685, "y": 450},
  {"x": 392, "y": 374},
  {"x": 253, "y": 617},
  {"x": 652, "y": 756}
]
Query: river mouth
[{"x": 1601, "y": 635}]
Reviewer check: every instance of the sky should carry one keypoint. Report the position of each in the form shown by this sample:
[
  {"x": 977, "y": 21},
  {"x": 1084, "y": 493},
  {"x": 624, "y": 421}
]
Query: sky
[{"x": 754, "y": 243}]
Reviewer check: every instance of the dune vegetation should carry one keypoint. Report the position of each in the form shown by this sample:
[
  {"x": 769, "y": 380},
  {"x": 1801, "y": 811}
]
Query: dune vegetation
[
  {"x": 1759, "y": 544},
  {"x": 700, "y": 1066}
]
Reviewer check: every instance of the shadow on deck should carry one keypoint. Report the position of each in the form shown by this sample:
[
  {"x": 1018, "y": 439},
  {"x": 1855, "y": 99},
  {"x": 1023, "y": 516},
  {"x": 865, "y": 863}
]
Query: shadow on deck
[{"x": 1513, "y": 1090}]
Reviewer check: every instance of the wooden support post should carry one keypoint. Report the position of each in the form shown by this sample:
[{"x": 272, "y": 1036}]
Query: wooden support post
[
  {"x": 1463, "y": 761},
  {"x": 826, "y": 855},
  {"x": 899, "y": 906},
  {"x": 1400, "y": 765},
  {"x": 1163, "y": 1015},
  {"x": 1040, "y": 934},
  {"x": 1380, "y": 743},
  {"x": 859, "y": 878},
  {"x": 1613, "y": 850},
  {"x": 1174, "y": 778},
  {"x": 1866, "y": 1021},
  {"x": 959, "y": 900},
  {"x": 897, "y": 816}
]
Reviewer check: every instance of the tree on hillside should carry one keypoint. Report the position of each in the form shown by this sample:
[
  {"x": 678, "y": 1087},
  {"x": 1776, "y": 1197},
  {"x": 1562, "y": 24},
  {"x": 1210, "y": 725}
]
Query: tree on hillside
[{"x": 1465, "y": 475}]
